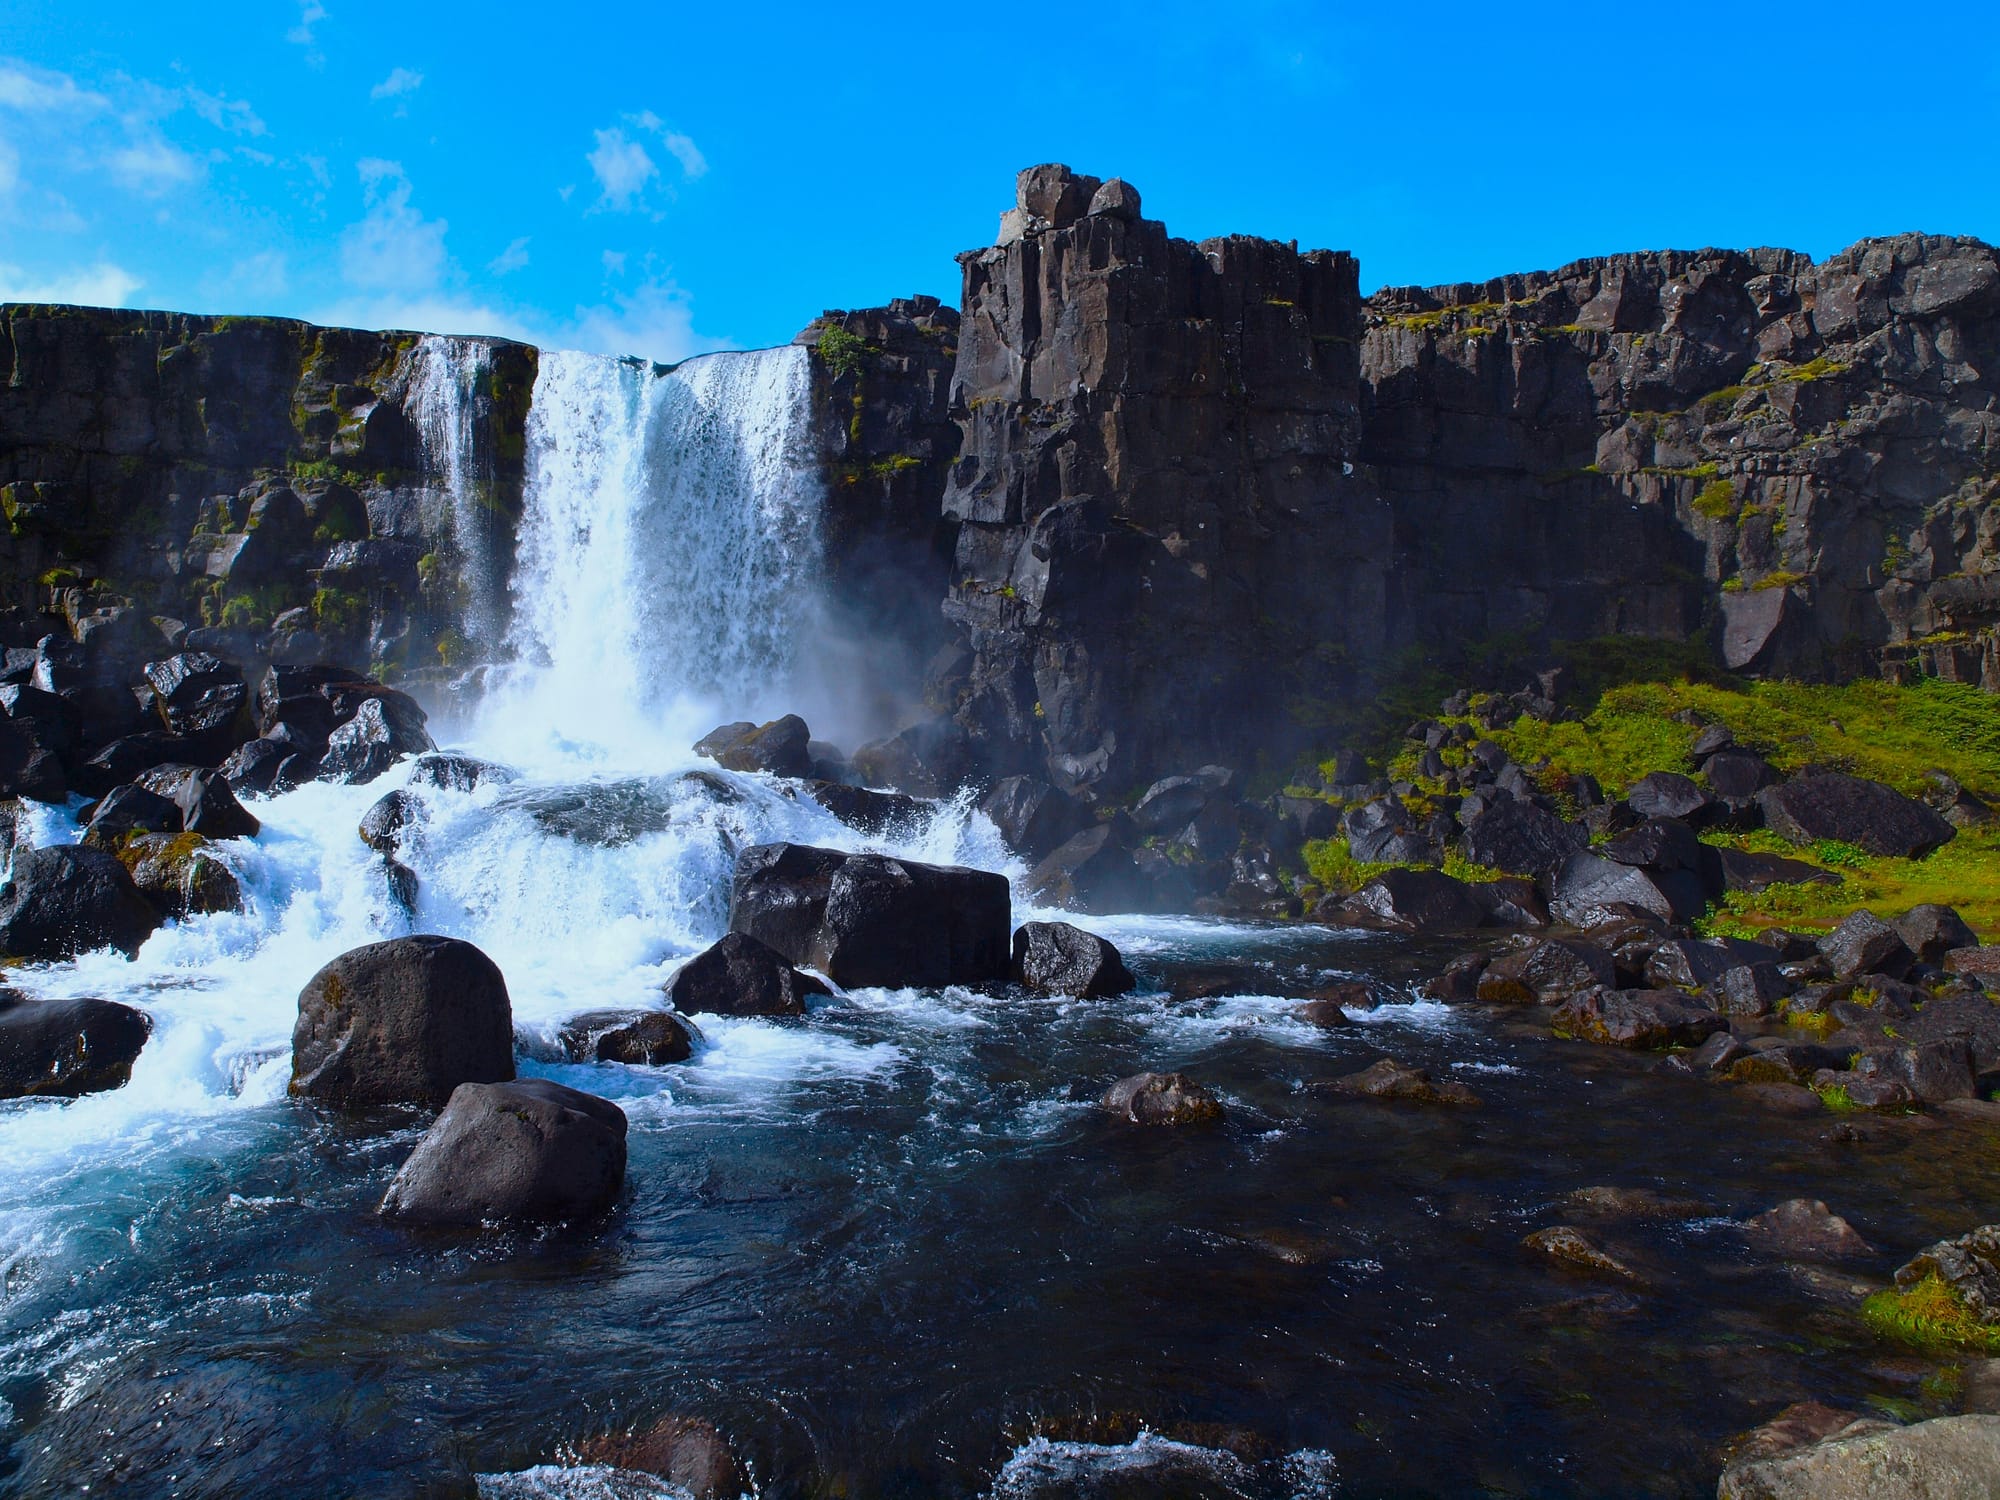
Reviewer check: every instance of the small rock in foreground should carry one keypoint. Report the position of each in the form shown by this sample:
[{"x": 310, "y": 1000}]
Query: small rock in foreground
[
  {"x": 1162, "y": 1099},
  {"x": 1948, "y": 1458},
  {"x": 530, "y": 1151}
]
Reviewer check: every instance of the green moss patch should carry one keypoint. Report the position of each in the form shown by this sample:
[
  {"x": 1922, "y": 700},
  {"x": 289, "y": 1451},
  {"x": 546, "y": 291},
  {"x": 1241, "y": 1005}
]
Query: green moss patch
[{"x": 1929, "y": 1315}]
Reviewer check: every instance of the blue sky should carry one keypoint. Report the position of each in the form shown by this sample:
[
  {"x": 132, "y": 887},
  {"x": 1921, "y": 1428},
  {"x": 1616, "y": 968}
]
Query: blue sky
[{"x": 663, "y": 179}]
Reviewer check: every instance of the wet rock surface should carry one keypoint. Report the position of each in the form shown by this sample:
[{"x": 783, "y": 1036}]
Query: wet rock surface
[
  {"x": 741, "y": 976},
  {"x": 66, "y": 1048}
]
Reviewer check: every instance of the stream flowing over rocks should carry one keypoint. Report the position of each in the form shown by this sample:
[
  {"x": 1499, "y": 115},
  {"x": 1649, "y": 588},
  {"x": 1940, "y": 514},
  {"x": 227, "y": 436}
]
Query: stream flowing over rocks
[{"x": 559, "y": 1072}]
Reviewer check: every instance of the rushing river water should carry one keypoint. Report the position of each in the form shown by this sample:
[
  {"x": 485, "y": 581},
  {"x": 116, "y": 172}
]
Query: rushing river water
[{"x": 891, "y": 1248}]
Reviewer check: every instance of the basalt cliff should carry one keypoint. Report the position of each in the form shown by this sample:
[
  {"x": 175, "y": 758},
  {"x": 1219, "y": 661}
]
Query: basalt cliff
[{"x": 1138, "y": 504}]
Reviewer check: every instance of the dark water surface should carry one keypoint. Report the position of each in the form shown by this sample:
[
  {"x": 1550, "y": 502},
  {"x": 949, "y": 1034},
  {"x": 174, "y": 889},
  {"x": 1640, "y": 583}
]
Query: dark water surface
[{"x": 926, "y": 1265}]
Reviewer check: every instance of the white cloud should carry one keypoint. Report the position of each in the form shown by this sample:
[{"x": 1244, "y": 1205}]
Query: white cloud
[
  {"x": 38, "y": 91},
  {"x": 614, "y": 262},
  {"x": 436, "y": 313},
  {"x": 394, "y": 248},
  {"x": 623, "y": 169},
  {"x": 311, "y": 13},
  {"x": 655, "y": 322},
  {"x": 264, "y": 274},
  {"x": 687, "y": 153},
  {"x": 101, "y": 285},
  {"x": 151, "y": 165},
  {"x": 399, "y": 82},
  {"x": 233, "y": 115},
  {"x": 10, "y": 168},
  {"x": 511, "y": 259}
]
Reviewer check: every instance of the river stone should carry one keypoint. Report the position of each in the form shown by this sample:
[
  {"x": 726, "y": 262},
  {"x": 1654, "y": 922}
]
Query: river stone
[
  {"x": 780, "y": 747},
  {"x": 1522, "y": 838},
  {"x": 1589, "y": 883},
  {"x": 208, "y": 807},
  {"x": 65, "y": 1048},
  {"x": 1931, "y": 931},
  {"x": 867, "y": 919},
  {"x": 1969, "y": 1265},
  {"x": 403, "y": 1021},
  {"x": 1638, "y": 1019},
  {"x": 1805, "y": 1226},
  {"x": 1865, "y": 944},
  {"x": 1757, "y": 872},
  {"x": 126, "y": 810},
  {"x": 68, "y": 899},
  {"x": 1934, "y": 1072},
  {"x": 741, "y": 976},
  {"x": 1091, "y": 872},
  {"x": 1571, "y": 1249},
  {"x": 1054, "y": 958},
  {"x": 1161, "y": 1099},
  {"x": 1413, "y": 901},
  {"x": 870, "y": 812},
  {"x": 525, "y": 1151},
  {"x": 176, "y": 873},
  {"x": 1667, "y": 794},
  {"x": 1034, "y": 817},
  {"x": 1749, "y": 990},
  {"x": 1545, "y": 973},
  {"x": 1946, "y": 1458},
  {"x": 686, "y": 1451},
  {"x": 453, "y": 772},
  {"x": 645, "y": 1038},
  {"x": 1459, "y": 979},
  {"x": 386, "y": 727},
  {"x": 1390, "y": 1079},
  {"x": 1868, "y": 814},
  {"x": 383, "y": 824}
]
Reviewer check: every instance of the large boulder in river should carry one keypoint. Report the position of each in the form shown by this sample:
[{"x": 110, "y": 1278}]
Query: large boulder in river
[
  {"x": 870, "y": 812},
  {"x": 66, "y": 1048},
  {"x": 867, "y": 919},
  {"x": 66, "y": 900},
  {"x": 386, "y": 727},
  {"x": 1091, "y": 872},
  {"x": 523, "y": 1152},
  {"x": 179, "y": 876},
  {"x": 779, "y": 747},
  {"x": 1055, "y": 958},
  {"x": 1413, "y": 901},
  {"x": 741, "y": 976},
  {"x": 1161, "y": 1099},
  {"x": 1946, "y": 1458},
  {"x": 636, "y": 1037},
  {"x": 403, "y": 1022},
  {"x": 1851, "y": 810}
]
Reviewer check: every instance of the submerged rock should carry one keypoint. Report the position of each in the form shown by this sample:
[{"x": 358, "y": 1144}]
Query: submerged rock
[
  {"x": 68, "y": 899},
  {"x": 1571, "y": 1249},
  {"x": 1805, "y": 1226},
  {"x": 741, "y": 976},
  {"x": 1389, "y": 1079},
  {"x": 1055, "y": 958},
  {"x": 403, "y": 1021},
  {"x": 528, "y": 1151},
  {"x": 640, "y": 1037},
  {"x": 869, "y": 812},
  {"x": 686, "y": 1451},
  {"x": 1946, "y": 1458},
  {"x": 1161, "y": 1099},
  {"x": 867, "y": 919},
  {"x": 453, "y": 772},
  {"x": 66, "y": 1048}
]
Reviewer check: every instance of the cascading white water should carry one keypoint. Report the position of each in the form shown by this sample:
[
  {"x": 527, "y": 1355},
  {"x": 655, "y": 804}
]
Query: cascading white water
[
  {"x": 447, "y": 376},
  {"x": 670, "y": 555}
]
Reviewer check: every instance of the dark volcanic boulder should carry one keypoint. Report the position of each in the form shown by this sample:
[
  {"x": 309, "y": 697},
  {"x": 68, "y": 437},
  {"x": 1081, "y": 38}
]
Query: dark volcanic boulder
[
  {"x": 1865, "y": 944},
  {"x": 67, "y": 1047},
  {"x": 866, "y": 919},
  {"x": 1055, "y": 958},
  {"x": 383, "y": 824},
  {"x": 208, "y": 807},
  {"x": 1641, "y": 1019},
  {"x": 1868, "y": 814},
  {"x": 1755, "y": 872},
  {"x": 1931, "y": 931},
  {"x": 529, "y": 1151},
  {"x": 405, "y": 1021},
  {"x": 1383, "y": 831},
  {"x": 30, "y": 764},
  {"x": 1413, "y": 901},
  {"x": 452, "y": 772},
  {"x": 641, "y": 1037},
  {"x": 1521, "y": 838},
  {"x": 779, "y": 747},
  {"x": 66, "y": 900},
  {"x": 1589, "y": 882},
  {"x": 1092, "y": 872},
  {"x": 931, "y": 759},
  {"x": 1664, "y": 794},
  {"x": 1736, "y": 777},
  {"x": 175, "y": 872},
  {"x": 870, "y": 812},
  {"x": 721, "y": 738},
  {"x": 1032, "y": 816},
  {"x": 252, "y": 767},
  {"x": 1546, "y": 973},
  {"x": 386, "y": 727},
  {"x": 1161, "y": 1099},
  {"x": 1390, "y": 1079},
  {"x": 1170, "y": 805},
  {"x": 200, "y": 696},
  {"x": 127, "y": 810},
  {"x": 741, "y": 976}
]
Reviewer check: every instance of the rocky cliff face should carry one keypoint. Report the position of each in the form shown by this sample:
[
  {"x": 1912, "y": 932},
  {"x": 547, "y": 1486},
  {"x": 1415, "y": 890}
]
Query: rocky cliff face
[
  {"x": 1208, "y": 496},
  {"x": 1820, "y": 443},
  {"x": 1162, "y": 538},
  {"x": 257, "y": 487}
]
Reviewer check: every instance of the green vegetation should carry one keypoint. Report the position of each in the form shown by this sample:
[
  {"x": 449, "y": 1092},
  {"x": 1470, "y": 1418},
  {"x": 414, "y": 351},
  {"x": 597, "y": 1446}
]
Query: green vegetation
[
  {"x": 1930, "y": 1315},
  {"x": 1717, "y": 500},
  {"x": 1818, "y": 368},
  {"x": 842, "y": 352},
  {"x": 453, "y": 649},
  {"x": 340, "y": 611},
  {"x": 1777, "y": 579},
  {"x": 1835, "y": 1097},
  {"x": 1964, "y": 874}
]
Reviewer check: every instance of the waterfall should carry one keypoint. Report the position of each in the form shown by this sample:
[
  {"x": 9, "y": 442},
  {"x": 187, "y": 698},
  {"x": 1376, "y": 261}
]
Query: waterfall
[
  {"x": 449, "y": 404},
  {"x": 669, "y": 557}
]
